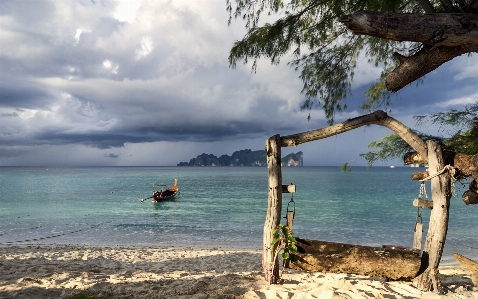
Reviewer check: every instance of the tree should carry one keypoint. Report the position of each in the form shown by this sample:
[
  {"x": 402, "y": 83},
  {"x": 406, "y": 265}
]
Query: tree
[{"x": 407, "y": 38}]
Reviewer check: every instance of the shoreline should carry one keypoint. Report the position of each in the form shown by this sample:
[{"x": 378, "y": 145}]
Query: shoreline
[{"x": 59, "y": 271}]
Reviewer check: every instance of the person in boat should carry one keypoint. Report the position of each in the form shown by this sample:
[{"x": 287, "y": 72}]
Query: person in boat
[{"x": 158, "y": 193}]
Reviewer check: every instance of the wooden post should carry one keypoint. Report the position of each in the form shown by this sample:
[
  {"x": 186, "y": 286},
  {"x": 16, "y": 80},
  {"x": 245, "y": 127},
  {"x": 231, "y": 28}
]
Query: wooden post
[
  {"x": 274, "y": 208},
  {"x": 429, "y": 277},
  {"x": 417, "y": 235}
]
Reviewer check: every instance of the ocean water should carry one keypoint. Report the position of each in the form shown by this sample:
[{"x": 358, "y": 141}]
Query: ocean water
[{"x": 218, "y": 207}]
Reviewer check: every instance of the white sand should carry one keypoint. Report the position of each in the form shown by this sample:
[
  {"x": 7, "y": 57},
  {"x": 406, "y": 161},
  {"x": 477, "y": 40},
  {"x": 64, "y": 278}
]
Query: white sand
[{"x": 57, "y": 271}]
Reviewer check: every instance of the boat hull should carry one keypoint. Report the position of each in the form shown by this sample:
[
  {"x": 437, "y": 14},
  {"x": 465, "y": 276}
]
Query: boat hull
[{"x": 164, "y": 196}]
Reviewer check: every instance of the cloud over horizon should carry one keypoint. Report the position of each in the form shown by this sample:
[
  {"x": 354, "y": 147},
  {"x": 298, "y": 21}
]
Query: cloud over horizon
[{"x": 120, "y": 82}]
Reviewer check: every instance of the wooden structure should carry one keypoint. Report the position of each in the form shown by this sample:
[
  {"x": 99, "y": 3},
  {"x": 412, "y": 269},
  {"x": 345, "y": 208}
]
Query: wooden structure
[{"x": 428, "y": 275}]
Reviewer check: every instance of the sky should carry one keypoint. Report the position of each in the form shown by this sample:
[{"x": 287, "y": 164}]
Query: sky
[{"x": 147, "y": 83}]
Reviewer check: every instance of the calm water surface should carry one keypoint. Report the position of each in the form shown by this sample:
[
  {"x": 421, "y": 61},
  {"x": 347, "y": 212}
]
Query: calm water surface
[{"x": 217, "y": 207}]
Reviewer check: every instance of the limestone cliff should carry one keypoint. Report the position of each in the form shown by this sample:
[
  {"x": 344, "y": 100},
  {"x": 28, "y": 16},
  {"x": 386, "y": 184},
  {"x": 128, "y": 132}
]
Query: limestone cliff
[{"x": 245, "y": 157}]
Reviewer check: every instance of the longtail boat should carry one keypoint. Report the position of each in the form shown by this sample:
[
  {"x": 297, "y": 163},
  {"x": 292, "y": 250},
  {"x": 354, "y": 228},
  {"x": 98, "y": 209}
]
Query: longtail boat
[{"x": 165, "y": 193}]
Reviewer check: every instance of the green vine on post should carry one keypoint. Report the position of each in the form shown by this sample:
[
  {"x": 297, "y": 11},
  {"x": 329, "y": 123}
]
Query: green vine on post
[{"x": 282, "y": 236}]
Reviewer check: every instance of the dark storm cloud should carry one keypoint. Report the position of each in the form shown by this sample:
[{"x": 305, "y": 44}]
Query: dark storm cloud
[
  {"x": 105, "y": 74},
  {"x": 20, "y": 93}
]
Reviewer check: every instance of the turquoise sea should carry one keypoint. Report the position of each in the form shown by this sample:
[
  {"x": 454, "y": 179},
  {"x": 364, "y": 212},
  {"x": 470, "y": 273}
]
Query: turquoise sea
[{"x": 217, "y": 207}]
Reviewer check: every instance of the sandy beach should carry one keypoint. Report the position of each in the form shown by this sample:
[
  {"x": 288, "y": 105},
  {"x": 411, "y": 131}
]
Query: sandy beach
[{"x": 60, "y": 271}]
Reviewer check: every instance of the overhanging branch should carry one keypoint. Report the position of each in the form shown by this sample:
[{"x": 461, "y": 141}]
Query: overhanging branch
[
  {"x": 438, "y": 29},
  {"x": 444, "y": 36},
  {"x": 421, "y": 63}
]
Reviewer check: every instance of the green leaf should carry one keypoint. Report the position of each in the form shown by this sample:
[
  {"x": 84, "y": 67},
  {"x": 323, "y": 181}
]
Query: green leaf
[
  {"x": 285, "y": 255},
  {"x": 293, "y": 259},
  {"x": 274, "y": 241}
]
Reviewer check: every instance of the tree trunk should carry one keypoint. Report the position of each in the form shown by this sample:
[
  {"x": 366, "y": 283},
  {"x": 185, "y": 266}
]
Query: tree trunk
[
  {"x": 444, "y": 36},
  {"x": 429, "y": 277},
  {"x": 320, "y": 256},
  {"x": 274, "y": 208}
]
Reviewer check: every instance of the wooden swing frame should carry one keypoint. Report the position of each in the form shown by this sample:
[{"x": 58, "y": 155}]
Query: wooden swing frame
[{"x": 428, "y": 275}]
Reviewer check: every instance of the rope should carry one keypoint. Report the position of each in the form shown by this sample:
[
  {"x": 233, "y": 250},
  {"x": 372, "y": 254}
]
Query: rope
[{"x": 442, "y": 171}]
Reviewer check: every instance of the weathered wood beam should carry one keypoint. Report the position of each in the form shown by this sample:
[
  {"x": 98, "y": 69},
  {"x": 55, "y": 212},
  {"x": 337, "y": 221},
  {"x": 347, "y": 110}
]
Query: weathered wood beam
[
  {"x": 423, "y": 203},
  {"x": 378, "y": 118},
  {"x": 274, "y": 208},
  {"x": 320, "y": 256},
  {"x": 429, "y": 276},
  {"x": 418, "y": 176}
]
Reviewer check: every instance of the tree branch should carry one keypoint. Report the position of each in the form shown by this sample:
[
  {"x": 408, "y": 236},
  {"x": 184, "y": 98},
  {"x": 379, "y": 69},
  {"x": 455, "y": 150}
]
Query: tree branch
[
  {"x": 378, "y": 118},
  {"x": 444, "y": 36},
  {"x": 421, "y": 63},
  {"x": 439, "y": 29}
]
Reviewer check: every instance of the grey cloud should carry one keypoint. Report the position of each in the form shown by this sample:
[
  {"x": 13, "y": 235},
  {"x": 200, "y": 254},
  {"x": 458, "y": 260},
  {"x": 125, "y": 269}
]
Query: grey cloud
[
  {"x": 98, "y": 90},
  {"x": 22, "y": 93}
]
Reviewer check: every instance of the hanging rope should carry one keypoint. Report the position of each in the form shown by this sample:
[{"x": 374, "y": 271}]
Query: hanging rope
[
  {"x": 443, "y": 170},
  {"x": 423, "y": 191}
]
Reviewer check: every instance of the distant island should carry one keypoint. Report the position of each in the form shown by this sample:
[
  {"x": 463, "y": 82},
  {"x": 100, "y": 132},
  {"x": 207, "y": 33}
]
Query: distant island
[{"x": 245, "y": 157}]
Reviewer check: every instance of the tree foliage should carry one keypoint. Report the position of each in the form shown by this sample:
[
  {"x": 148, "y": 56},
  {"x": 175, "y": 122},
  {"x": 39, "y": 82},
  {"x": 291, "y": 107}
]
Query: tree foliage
[{"x": 323, "y": 49}]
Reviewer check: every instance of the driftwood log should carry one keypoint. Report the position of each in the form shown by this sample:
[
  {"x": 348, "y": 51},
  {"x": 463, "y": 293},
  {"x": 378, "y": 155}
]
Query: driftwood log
[
  {"x": 320, "y": 256},
  {"x": 470, "y": 265}
]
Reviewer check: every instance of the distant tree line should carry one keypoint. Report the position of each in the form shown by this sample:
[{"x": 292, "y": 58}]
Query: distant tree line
[{"x": 245, "y": 157}]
